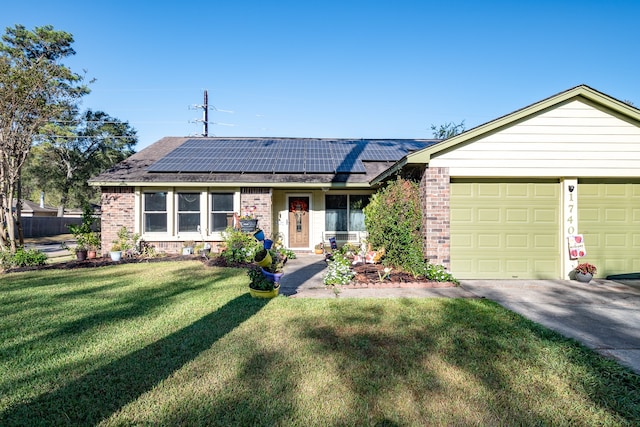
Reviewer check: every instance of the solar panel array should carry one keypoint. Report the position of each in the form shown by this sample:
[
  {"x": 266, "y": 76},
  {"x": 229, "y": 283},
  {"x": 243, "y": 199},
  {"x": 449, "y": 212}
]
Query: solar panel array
[{"x": 264, "y": 155}]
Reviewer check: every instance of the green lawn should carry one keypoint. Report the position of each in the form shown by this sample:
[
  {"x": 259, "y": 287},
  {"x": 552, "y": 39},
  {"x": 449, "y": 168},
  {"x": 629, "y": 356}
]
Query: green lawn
[{"x": 177, "y": 343}]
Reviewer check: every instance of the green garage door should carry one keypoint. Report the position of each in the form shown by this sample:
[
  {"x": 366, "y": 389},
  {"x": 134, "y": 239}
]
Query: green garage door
[
  {"x": 609, "y": 219},
  {"x": 505, "y": 230}
]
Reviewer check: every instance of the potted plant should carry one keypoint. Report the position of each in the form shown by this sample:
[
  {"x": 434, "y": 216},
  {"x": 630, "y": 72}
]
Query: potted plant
[
  {"x": 126, "y": 243},
  {"x": 260, "y": 286},
  {"x": 202, "y": 249},
  {"x": 116, "y": 251},
  {"x": 263, "y": 258},
  {"x": 319, "y": 248},
  {"x": 248, "y": 223},
  {"x": 85, "y": 237},
  {"x": 80, "y": 251},
  {"x": 585, "y": 271},
  {"x": 274, "y": 270},
  {"x": 187, "y": 247},
  {"x": 93, "y": 244}
]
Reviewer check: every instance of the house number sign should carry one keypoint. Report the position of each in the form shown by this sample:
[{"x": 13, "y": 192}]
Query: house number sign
[{"x": 575, "y": 242}]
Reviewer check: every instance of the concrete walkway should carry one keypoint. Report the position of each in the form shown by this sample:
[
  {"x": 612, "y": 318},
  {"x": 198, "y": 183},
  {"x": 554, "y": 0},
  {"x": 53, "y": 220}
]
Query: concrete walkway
[{"x": 603, "y": 315}]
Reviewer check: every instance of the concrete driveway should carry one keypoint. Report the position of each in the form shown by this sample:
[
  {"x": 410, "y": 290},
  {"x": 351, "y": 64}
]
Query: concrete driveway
[{"x": 603, "y": 315}]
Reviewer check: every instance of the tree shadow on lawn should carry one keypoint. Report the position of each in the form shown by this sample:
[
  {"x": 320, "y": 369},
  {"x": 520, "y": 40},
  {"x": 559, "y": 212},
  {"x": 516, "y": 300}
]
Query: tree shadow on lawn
[
  {"x": 100, "y": 393},
  {"x": 474, "y": 338}
]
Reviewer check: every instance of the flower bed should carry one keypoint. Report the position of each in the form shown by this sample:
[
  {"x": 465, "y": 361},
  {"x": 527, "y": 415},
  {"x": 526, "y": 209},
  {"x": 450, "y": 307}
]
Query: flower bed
[{"x": 369, "y": 276}]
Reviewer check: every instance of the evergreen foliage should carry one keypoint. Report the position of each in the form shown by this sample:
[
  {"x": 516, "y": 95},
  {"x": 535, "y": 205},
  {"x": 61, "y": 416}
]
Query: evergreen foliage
[{"x": 393, "y": 219}]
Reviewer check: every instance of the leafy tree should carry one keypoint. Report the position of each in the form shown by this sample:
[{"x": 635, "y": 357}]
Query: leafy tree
[
  {"x": 393, "y": 219},
  {"x": 447, "y": 130},
  {"x": 35, "y": 87},
  {"x": 74, "y": 151}
]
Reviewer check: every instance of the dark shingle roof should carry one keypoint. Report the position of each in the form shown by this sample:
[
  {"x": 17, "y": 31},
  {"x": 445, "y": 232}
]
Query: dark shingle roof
[{"x": 261, "y": 160}]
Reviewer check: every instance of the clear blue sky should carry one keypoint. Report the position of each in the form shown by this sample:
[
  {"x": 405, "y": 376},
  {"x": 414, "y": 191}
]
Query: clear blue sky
[{"x": 353, "y": 69}]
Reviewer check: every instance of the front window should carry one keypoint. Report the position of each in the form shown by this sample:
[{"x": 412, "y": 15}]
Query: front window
[
  {"x": 221, "y": 211},
  {"x": 356, "y": 214},
  {"x": 345, "y": 212},
  {"x": 155, "y": 212},
  {"x": 188, "y": 212}
]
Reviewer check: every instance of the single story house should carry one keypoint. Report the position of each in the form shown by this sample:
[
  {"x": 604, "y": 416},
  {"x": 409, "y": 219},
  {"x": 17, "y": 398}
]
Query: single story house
[
  {"x": 305, "y": 190},
  {"x": 500, "y": 201}
]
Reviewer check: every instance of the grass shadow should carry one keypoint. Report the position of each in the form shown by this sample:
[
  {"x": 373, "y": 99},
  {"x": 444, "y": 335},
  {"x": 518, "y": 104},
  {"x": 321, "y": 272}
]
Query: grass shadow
[{"x": 102, "y": 392}]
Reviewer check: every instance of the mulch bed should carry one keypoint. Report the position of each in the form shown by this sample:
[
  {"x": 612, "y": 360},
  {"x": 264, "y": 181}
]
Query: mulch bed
[
  {"x": 97, "y": 262},
  {"x": 368, "y": 276}
]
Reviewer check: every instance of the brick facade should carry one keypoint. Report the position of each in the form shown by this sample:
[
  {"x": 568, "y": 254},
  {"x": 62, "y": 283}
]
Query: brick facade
[
  {"x": 118, "y": 210},
  {"x": 435, "y": 195},
  {"x": 262, "y": 200}
]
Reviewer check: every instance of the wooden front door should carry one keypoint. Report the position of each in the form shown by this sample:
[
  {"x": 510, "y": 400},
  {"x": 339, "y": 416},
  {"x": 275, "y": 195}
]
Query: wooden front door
[{"x": 298, "y": 222}]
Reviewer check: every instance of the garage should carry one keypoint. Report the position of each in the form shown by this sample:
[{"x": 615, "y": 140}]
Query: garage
[
  {"x": 609, "y": 219},
  {"x": 505, "y": 230},
  {"x": 501, "y": 200}
]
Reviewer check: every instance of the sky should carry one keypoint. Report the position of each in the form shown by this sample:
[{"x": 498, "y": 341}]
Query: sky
[{"x": 336, "y": 69}]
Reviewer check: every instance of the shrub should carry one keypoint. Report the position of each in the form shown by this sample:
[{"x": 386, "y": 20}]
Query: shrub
[
  {"x": 22, "y": 258},
  {"x": 240, "y": 247},
  {"x": 393, "y": 219}
]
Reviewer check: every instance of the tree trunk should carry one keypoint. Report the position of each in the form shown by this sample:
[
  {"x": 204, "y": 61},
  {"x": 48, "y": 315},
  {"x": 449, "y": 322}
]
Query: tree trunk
[
  {"x": 11, "y": 226},
  {"x": 18, "y": 214}
]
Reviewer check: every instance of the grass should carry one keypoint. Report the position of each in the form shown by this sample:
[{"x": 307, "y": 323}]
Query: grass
[{"x": 181, "y": 344}]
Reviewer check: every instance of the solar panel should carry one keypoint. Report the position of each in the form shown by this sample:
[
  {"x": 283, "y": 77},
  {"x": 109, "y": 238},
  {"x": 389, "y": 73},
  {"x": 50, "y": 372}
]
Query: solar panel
[
  {"x": 320, "y": 166},
  {"x": 282, "y": 155},
  {"x": 258, "y": 165},
  {"x": 289, "y": 166},
  {"x": 351, "y": 167}
]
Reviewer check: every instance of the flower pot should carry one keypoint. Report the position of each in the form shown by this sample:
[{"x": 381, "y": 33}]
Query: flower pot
[
  {"x": 259, "y": 235},
  {"x": 187, "y": 250},
  {"x": 274, "y": 277},
  {"x": 263, "y": 258},
  {"x": 92, "y": 254},
  {"x": 115, "y": 255},
  {"x": 583, "y": 277},
  {"x": 265, "y": 294},
  {"x": 319, "y": 251},
  {"x": 248, "y": 225},
  {"x": 81, "y": 255},
  {"x": 268, "y": 243}
]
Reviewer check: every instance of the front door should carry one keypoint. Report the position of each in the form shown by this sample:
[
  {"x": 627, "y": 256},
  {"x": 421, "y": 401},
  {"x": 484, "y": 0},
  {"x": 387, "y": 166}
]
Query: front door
[{"x": 298, "y": 222}]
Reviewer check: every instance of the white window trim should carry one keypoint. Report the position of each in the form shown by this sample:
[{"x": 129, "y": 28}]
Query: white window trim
[
  {"x": 236, "y": 205},
  {"x": 140, "y": 218},
  {"x": 189, "y": 235},
  {"x": 172, "y": 233},
  {"x": 348, "y": 211}
]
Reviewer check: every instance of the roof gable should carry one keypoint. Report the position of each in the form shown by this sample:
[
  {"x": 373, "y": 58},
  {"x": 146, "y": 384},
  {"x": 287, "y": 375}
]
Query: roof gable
[{"x": 579, "y": 92}]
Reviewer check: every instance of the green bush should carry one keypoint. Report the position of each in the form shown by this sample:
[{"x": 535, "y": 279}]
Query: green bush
[
  {"x": 22, "y": 258},
  {"x": 393, "y": 219},
  {"x": 240, "y": 247}
]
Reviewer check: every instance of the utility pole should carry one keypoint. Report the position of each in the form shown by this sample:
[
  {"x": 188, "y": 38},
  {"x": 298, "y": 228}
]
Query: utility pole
[{"x": 205, "y": 114}]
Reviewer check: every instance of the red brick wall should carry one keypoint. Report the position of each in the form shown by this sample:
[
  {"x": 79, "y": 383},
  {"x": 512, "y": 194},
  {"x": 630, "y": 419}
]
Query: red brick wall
[
  {"x": 435, "y": 194},
  {"x": 261, "y": 199},
  {"x": 118, "y": 209}
]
